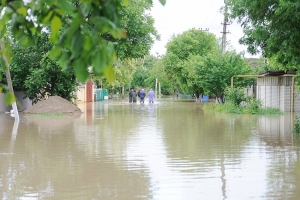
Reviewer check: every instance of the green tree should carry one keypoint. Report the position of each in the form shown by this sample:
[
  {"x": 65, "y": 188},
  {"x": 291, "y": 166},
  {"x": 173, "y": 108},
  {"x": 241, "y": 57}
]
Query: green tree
[
  {"x": 124, "y": 74},
  {"x": 51, "y": 80},
  {"x": 83, "y": 33},
  {"x": 140, "y": 30},
  {"x": 37, "y": 75},
  {"x": 271, "y": 27},
  {"x": 158, "y": 72},
  {"x": 214, "y": 72},
  {"x": 24, "y": 60},
  {"x": 180, "y": 48},
  {"x": 143, "y": 71}
]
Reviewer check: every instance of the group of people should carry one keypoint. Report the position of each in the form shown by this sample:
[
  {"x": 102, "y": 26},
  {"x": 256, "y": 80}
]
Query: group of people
[{"x": 141, "y": 94}]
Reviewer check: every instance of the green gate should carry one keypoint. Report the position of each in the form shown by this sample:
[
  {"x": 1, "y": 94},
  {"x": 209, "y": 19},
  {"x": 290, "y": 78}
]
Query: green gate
[{"x": 100, "y": 94}]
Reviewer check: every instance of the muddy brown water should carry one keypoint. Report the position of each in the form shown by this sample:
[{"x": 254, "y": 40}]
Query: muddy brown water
[{"x": 172, "y": 149}]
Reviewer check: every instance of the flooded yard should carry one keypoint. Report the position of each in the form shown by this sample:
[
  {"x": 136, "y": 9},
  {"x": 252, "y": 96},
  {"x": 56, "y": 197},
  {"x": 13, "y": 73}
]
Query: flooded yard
[{"x": 168, "y": 150}]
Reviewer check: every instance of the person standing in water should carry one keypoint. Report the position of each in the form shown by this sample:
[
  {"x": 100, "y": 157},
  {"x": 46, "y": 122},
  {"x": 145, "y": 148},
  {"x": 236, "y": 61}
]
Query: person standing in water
[
  {"x": 151, "y": 96},
  {"x": 142, "y": 96},
  {"x": 134, "y": 94},
  {"x": 130, "y": 95}
]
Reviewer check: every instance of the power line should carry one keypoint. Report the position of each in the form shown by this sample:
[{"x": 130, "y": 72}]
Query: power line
[{"x": 208, "y": 11}]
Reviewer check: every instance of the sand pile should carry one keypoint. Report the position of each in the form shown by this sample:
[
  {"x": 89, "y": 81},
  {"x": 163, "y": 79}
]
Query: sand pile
[{"x": 54, "y": 104}]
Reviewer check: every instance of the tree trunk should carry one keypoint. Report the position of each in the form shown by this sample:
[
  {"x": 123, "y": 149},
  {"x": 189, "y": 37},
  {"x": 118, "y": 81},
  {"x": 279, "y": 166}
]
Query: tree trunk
[
  {"x": 9, "y": 82},
  {"x": 52, "y": 86},
  {"x": 220, "y": 98}
]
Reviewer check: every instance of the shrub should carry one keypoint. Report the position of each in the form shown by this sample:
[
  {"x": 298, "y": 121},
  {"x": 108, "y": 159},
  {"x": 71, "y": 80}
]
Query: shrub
[
  {"x": 237, "y": 102},
  {"x": 297, "y": 125},
  {"x": 253, "y": 105},
  {"x": 235, "y": 95}
]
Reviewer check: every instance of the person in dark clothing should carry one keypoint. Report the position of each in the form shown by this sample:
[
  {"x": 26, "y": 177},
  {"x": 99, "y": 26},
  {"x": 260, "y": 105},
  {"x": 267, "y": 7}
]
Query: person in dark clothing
[
  {"x": 138, "y": 94},
  {"x": 134, "y": 94},
  {"x": 130, "y": 96},
  {"x": 142, "y": 96}
]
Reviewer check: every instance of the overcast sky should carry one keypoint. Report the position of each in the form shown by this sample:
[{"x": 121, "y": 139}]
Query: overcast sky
[{"x": 178, "y": 16}]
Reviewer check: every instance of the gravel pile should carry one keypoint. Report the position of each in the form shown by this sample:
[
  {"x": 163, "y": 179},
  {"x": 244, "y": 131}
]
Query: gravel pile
[{"x": 54, "y": 104}]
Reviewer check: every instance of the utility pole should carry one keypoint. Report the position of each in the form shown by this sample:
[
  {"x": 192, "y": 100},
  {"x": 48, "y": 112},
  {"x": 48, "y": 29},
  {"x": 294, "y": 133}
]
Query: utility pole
[{"x": 225, "y": 23}]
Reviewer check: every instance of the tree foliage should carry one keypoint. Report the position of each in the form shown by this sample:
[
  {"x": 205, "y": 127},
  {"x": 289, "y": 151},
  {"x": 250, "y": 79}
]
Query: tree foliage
[
  {"x": 270, "y": 26},
  {"x": 24, "y": 60},
  {"x": 37, "y": 75},
  {"x": 83, "y": 33},
  {"x": 158, "y": 72},
  {"x": 191, "y": 42},
  {"x": 180, "y": 48},
  {"x": 143, "y": 71},
  {"x": 124, "y": 74},
  {"x": 50, "y": 79},
  {"x": 214, "y": 72},
  {"x": 140, "y": 31}
]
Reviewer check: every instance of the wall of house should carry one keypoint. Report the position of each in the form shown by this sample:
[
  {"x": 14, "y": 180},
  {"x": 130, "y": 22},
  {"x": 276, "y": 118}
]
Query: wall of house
[
  {"x": 22, "y": 103},
  {"x": 286, "y": 98},
  {"x": 276, "y": 92},
  {"x": 268, "y": 96},
  {"x": 80, "y": 94}
]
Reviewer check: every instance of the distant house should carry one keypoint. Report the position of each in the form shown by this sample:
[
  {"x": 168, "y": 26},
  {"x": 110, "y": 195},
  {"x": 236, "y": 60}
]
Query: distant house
[
  {"x": 85, "y": 92},
  {"x": 276, "y": 89},
  {"x": 254, "y": 62}
]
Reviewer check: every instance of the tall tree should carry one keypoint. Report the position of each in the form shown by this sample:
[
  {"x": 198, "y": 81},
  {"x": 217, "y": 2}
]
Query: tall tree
[
  {"x": 180, "y": 48},
  {"x": 124, "y": 74},
  {"x": 24, "y": 60},
  {"x": 143, "y": 71},
  {"x": 213, "y": 72},
  {"x": 271, "y": 27},
  {"x": 50, "y": 79},
  {"x": 73, "y": 46},
  {"x": 140, "y": 30},
  {"x": 37, "y": 75},
  {"x": 158, "y": 72}
]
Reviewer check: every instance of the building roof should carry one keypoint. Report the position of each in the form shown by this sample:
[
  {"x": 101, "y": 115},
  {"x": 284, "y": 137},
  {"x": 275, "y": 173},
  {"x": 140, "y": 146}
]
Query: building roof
[
  {"x": 254, "y": 62},
  {"x": 277, "y": 73}
]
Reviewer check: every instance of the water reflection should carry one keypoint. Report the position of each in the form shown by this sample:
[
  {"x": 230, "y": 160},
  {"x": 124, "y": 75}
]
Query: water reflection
[{"x": 167, "y": 150}]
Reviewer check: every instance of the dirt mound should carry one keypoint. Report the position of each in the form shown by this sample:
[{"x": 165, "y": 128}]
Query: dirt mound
[{"x": 54, "y": 104}]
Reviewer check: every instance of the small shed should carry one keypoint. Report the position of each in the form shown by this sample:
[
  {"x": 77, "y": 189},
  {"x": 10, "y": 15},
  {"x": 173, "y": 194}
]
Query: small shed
[
  {"x": 101, "y": 94},
  {"x": 85, "y": 92},
  {"x": 276, "y": 89}
]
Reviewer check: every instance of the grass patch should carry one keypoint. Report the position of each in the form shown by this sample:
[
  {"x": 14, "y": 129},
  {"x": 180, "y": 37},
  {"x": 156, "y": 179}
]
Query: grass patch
[
  {"x": 50, "y": 115},
  {"x": 242, "y": 109}
]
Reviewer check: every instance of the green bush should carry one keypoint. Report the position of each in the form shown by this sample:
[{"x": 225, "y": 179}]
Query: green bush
[
  {"x": 237, "y": 102},
  {"x": 235, "y": 95},
  {"x": 228, "y": 108},
  {"x": 297, "y": 125},
  {"x": 251, "y": 106}
]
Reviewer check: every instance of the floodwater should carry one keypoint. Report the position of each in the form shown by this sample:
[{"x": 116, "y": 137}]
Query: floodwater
[{"x": 168, "y": 150}]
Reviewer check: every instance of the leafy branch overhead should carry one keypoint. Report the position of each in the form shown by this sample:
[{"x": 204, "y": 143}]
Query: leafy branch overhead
[
  {"x": 84, "y": 33},
  {"x": 271, "y": 27}
]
